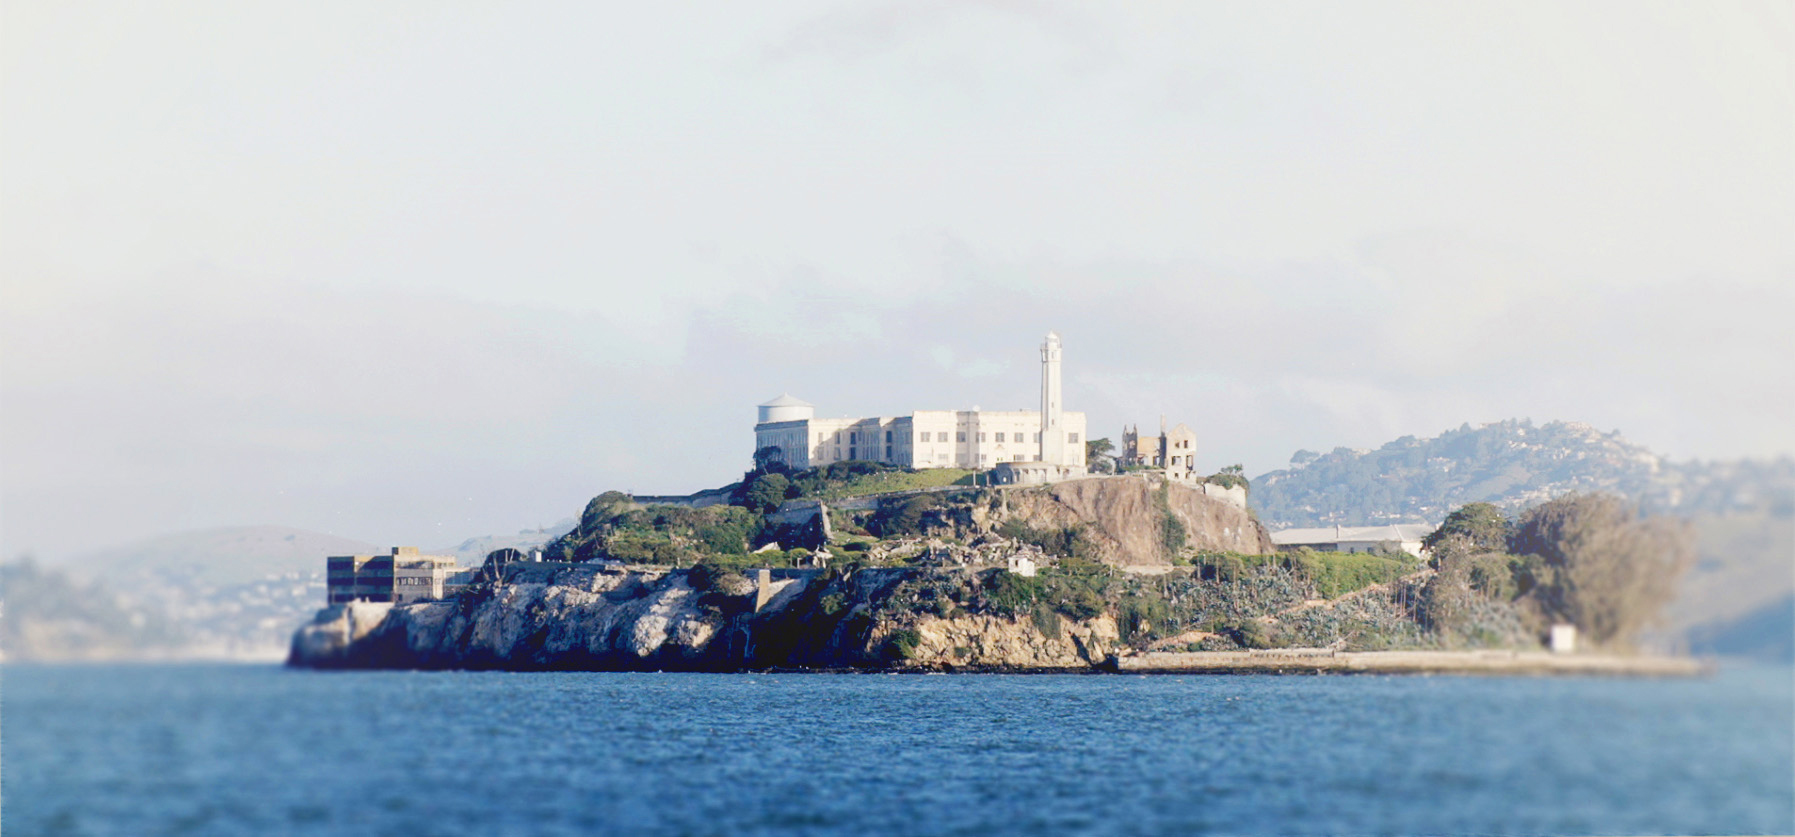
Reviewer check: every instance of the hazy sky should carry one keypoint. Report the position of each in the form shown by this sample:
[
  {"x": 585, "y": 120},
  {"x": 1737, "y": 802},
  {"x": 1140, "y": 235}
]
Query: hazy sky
[{"x": 414, "y": 272}]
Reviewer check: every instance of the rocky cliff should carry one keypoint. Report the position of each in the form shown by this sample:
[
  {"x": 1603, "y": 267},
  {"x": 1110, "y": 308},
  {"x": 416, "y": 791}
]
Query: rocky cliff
[
  {"x": 1138, "y": 519},
  {"x": 598, "y": 618}
]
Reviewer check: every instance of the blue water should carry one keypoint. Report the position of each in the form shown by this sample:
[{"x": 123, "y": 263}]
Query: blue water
[{"x": 224, "y": 749}]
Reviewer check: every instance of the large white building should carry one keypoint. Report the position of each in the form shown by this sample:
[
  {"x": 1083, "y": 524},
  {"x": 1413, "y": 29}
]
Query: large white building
[{"x": 789, "y": 431}]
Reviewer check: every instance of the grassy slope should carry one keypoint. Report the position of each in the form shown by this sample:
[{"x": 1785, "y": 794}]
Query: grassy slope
[{"x": 893, "y": 481}]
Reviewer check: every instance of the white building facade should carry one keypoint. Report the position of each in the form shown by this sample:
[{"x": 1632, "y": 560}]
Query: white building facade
[
  {"x": 788, "y": 431},
  {"x": 1406, "y": 537}
]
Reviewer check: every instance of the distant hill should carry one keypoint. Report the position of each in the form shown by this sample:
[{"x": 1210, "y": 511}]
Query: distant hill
[
  {"x": 213, "y": 557},
  {"x": 45, "y": 615},
  {"x": 1512, "y": 464},
  {"x": 474, "y": 550},
  {"x": 1743, "y": 511}
]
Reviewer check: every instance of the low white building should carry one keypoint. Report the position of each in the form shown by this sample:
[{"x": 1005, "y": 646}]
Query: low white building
[
  {"x": 1404, "y": 536},
  {"x": 789, "y": 431}
]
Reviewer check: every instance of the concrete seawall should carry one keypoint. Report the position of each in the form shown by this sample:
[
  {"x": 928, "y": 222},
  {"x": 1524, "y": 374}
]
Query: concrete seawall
[{"x": 1325, "y": 661}]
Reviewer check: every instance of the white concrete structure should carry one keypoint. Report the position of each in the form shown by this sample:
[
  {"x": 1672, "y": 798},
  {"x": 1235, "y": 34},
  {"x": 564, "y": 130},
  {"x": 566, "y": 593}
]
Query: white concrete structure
[
  {"x": 975, "y": 439},
  {"x": 1563, "y": 639},
  {"x": 1053, "y": 432},
  {"x": 1404, "y": 536}
]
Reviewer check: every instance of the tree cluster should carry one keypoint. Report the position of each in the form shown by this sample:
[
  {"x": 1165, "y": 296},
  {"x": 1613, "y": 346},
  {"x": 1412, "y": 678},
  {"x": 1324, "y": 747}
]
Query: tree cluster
[{"x": 1586, "y": 559}]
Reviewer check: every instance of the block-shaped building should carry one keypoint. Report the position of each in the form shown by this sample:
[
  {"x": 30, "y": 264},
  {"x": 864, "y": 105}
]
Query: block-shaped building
[
  {"x": 789, "y": 431},
  {"x": 403, "y": 577},
  {"x": 1174, "y": 449}
]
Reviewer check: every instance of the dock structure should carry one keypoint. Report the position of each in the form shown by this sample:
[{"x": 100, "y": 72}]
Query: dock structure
[{"x": 1328, "y": 661}]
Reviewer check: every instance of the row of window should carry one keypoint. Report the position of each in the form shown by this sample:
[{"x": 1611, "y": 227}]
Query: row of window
[
  {"x": 854, "y": 437},
  {"x": 942, "y": 457},
  {"x": 941, "y": 436}
]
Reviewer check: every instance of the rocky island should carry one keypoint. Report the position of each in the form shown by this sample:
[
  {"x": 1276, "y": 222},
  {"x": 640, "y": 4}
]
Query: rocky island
[{"x": 1132, "y": 572}]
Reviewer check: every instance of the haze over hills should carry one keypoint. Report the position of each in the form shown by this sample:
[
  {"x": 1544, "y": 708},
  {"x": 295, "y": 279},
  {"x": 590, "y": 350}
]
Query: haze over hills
[
  {"x": 212, "y": 557},
  {"x": 232, "y": 592},
  {"x": 1512, "y": 464}
]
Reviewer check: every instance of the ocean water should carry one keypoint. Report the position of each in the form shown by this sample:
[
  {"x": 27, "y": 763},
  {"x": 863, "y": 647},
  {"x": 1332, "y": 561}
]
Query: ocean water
[{"x": 223, "y": 749}]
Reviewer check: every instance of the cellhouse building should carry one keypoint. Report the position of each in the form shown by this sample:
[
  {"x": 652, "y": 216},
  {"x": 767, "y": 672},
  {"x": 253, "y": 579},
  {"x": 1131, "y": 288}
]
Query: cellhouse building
[{"x": 788, "y": 431}]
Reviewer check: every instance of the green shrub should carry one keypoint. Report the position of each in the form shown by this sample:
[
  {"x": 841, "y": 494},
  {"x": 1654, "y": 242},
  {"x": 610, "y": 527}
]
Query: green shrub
[
  {"x": 1337, "y": 573},
  {"x": 1010, "y": 594},
  {"x": 1171, "y": 531},
  {"x": 1252, "y": 633},
  {"x": 1079, "y": 603},
  {"x": 1067, "y": 542},
  {"x": 901, "y": 644},
  {"x": 1494, "y": 575},
  {"x": 1141, "y": 618},
  {"x": 903, "y": 516},
  {"x": 1046, "y": 620}
]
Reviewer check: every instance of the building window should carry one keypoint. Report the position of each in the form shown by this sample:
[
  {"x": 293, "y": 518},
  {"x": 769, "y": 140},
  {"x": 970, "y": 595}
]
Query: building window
[
  {"x": 982, "y": 457},
  {"x": 1037, "y": 438},
  {"x": 1072, "y": 438},
  {"x": 1021, "y": 457},
  {"x": 887, "y": 451},
  {"x": 888, "y": 437},
  {"x": 962, "y": 436},
  {"x": 981, "y": 437},
  {"x": 1000, "y": 437}
]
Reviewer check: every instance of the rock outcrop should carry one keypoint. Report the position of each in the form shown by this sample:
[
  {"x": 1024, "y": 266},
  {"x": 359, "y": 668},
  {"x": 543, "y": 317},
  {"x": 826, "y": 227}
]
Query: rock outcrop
[
  {"x": 598, "y": 618},
  {"x": 1127, "y": 516}
]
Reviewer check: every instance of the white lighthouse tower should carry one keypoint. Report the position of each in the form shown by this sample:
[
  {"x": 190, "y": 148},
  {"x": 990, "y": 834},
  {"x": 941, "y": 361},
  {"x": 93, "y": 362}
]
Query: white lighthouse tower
[{"x": 1053, "y": 430}]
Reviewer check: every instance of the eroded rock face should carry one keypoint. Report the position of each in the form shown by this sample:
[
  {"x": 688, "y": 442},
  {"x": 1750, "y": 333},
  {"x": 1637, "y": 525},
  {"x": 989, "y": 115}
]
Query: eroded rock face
[
  {"x": 1125, "y": 514},
  {"x": 336, "y": 630},
  {"x": 1006, "y": 643},
  {"x": 611, "y": 620}
]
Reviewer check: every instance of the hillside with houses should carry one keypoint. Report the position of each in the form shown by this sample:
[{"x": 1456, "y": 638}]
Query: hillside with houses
[{"x": 1512, "y": 464}]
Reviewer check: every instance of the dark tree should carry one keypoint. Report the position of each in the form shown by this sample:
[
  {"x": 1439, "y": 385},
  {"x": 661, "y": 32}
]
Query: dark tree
[
  {"x": 765, "y": 492},
  {"x": 1605, "y": 569},
  {"x": 1470, "y": 529},
  {"x": 767, "y": 460}
]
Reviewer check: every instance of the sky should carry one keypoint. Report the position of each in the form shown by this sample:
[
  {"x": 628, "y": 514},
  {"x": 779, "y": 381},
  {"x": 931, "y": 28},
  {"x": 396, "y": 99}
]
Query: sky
[{"x": 414, "y": 272}]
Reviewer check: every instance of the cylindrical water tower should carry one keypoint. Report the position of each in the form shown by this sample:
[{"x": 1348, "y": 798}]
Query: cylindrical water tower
[{"x": 786, "y": 408}]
